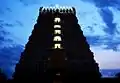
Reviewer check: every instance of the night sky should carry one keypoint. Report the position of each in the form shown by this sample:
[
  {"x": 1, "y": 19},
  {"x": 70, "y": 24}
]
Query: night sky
[{"x": 99, "y": 20}]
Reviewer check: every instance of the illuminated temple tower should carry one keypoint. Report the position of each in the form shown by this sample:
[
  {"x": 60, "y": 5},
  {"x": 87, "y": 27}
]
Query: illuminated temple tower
[{"x": 57, "y": 49}]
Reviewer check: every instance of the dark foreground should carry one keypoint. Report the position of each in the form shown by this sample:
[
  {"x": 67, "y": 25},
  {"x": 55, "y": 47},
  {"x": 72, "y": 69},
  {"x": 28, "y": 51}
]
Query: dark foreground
[{"x": 113, "y": 80}]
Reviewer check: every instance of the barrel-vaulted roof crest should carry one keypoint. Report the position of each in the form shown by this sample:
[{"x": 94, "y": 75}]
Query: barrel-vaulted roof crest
[{"x": 57, "y": 8}]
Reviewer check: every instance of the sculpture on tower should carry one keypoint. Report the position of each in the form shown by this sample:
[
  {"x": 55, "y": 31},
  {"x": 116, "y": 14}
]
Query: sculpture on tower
[{"x": 57, "y": 49}]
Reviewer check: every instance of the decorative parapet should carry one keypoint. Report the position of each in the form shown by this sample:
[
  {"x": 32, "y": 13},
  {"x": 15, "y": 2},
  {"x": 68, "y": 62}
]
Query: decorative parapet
[{"x": 58, "y": 9}]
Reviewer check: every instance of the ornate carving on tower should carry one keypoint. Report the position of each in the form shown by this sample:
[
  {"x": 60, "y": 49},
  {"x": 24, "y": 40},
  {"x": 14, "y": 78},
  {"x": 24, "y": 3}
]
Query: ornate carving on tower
[{"x": 57, "y": 49}]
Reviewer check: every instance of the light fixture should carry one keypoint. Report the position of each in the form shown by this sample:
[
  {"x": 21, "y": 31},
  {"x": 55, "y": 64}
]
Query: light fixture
[
  {"x": 57, "y": 46},
  {"x": 57, "y": 38},
  {"x": 57, "y": 26},
  {"x": 57, "y": 31},
  {"x": 57, "y": 19}
]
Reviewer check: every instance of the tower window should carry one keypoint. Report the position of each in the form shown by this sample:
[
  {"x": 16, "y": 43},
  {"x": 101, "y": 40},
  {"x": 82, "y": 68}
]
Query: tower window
[
  {"x": 57, "y": 19},
  {"x": 48, "y": 58},
  {"x": 57, "y": 38},
  {"x": 57, "y": 26},
  {"x": 65, "y": 58},
  {"x": 58, "y": 74},
  {"x": 57, "y": 31},
  {"x": 57, "y": 46}
]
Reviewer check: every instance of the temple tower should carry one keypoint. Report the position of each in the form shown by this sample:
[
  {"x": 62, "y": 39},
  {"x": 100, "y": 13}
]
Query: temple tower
[{"x": 57, "y": 49}]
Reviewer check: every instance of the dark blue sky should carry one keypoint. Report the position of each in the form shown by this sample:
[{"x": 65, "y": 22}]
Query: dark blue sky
[{"x": 99, "y": 20}]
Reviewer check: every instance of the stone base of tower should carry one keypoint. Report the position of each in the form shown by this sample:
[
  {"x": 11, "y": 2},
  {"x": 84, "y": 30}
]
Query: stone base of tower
[
  {"x": 73, "y": 72},
  {"x": 50, "y": 78}
]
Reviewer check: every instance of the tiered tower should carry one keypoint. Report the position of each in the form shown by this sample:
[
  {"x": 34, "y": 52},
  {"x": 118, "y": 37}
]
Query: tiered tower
[{"x": 57, "y": 49}]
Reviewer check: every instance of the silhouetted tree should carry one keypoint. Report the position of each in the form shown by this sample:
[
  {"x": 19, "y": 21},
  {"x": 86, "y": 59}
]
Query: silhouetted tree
[
  {"x": 118, "y": 75},
  {"x": 2, "y": 76}
]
